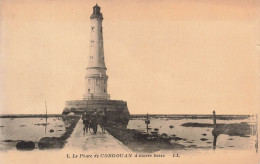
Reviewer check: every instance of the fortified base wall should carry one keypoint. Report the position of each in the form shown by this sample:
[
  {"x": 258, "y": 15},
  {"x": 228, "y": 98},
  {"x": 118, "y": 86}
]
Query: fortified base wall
[{"x": 116, "y": 110}]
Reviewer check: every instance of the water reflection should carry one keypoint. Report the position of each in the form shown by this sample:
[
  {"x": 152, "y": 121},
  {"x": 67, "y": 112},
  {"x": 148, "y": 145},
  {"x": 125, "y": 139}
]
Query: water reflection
[
  {"x": 215, "y": 141},
  {"x": 46, "y": 124}
]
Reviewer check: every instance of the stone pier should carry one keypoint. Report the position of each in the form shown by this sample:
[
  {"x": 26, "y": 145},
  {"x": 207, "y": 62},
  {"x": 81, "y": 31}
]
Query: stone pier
[{"x": 101, "y": 142}]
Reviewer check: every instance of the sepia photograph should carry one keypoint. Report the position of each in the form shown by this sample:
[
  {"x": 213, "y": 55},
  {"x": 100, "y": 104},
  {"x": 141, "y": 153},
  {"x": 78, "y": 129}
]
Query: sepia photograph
[{"x": 133, "y": 81}]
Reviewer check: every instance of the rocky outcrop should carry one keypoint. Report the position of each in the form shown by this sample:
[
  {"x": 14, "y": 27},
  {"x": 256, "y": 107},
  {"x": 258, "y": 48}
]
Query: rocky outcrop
[
  {"x": 59, "y": 142},
  {"x": 50, "y": 142},
  {"x": 25, "y": 145},
  {"x": 141, "y": 142},
  {"x": 234, "y": 129}
]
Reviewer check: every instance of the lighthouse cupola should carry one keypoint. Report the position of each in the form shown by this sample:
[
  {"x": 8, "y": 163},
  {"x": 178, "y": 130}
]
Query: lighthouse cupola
[{"x": 96, "y": 12}]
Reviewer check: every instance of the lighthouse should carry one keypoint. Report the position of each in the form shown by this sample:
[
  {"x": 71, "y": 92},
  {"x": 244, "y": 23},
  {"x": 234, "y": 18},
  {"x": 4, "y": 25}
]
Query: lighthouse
[
  {"x": 96, "y": 97},
  {"x": 96, "y": 78}
]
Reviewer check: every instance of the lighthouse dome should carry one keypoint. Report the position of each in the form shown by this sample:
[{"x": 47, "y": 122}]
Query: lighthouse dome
[{"x": 96, "y": 12}]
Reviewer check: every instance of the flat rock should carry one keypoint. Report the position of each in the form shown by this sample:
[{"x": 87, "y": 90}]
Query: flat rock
[
  {"x": 50, "y": 142},
  {"x": 25, "y": 145},
  {"x": 203, "y": 139},
  {"x": 171, "y": 126}
]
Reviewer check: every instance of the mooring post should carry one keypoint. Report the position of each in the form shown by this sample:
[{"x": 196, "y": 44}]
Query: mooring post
[
  {"x": 46, "y": 116},
  {"x": 147, "y": 122},
  {"x": 214, "y": 120},
  {"x": 215, "y": 141},
  {"x": 214, "y": 131}
]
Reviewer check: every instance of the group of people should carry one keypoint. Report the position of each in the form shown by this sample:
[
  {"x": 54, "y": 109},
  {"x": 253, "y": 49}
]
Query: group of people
[{"x": 91, "y": 121}]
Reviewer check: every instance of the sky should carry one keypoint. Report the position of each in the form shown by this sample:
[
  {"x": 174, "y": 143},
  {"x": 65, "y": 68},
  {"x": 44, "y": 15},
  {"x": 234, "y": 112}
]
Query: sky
[{"x": 162, "y": 56}]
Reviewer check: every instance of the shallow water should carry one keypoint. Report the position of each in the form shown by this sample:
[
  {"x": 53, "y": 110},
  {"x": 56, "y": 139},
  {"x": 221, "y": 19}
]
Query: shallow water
[
  {"x": 28, "y": 129},
  {"x": 200, "y": 137},
  {"x": 33, "y": 129}
]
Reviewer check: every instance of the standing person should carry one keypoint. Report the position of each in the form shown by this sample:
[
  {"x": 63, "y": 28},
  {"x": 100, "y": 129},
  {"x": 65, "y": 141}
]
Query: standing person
[
  {"x": 103, "y": 120},
  {"x": 84, "y": 118},
  {"x": 94, "y": 122},
  {"x": 88, "y": 122}
]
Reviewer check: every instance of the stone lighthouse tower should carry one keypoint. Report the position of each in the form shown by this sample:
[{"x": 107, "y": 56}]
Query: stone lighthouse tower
[
  {"x": 96, "y": 78},
  {"x": 96, "y": 97}
]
